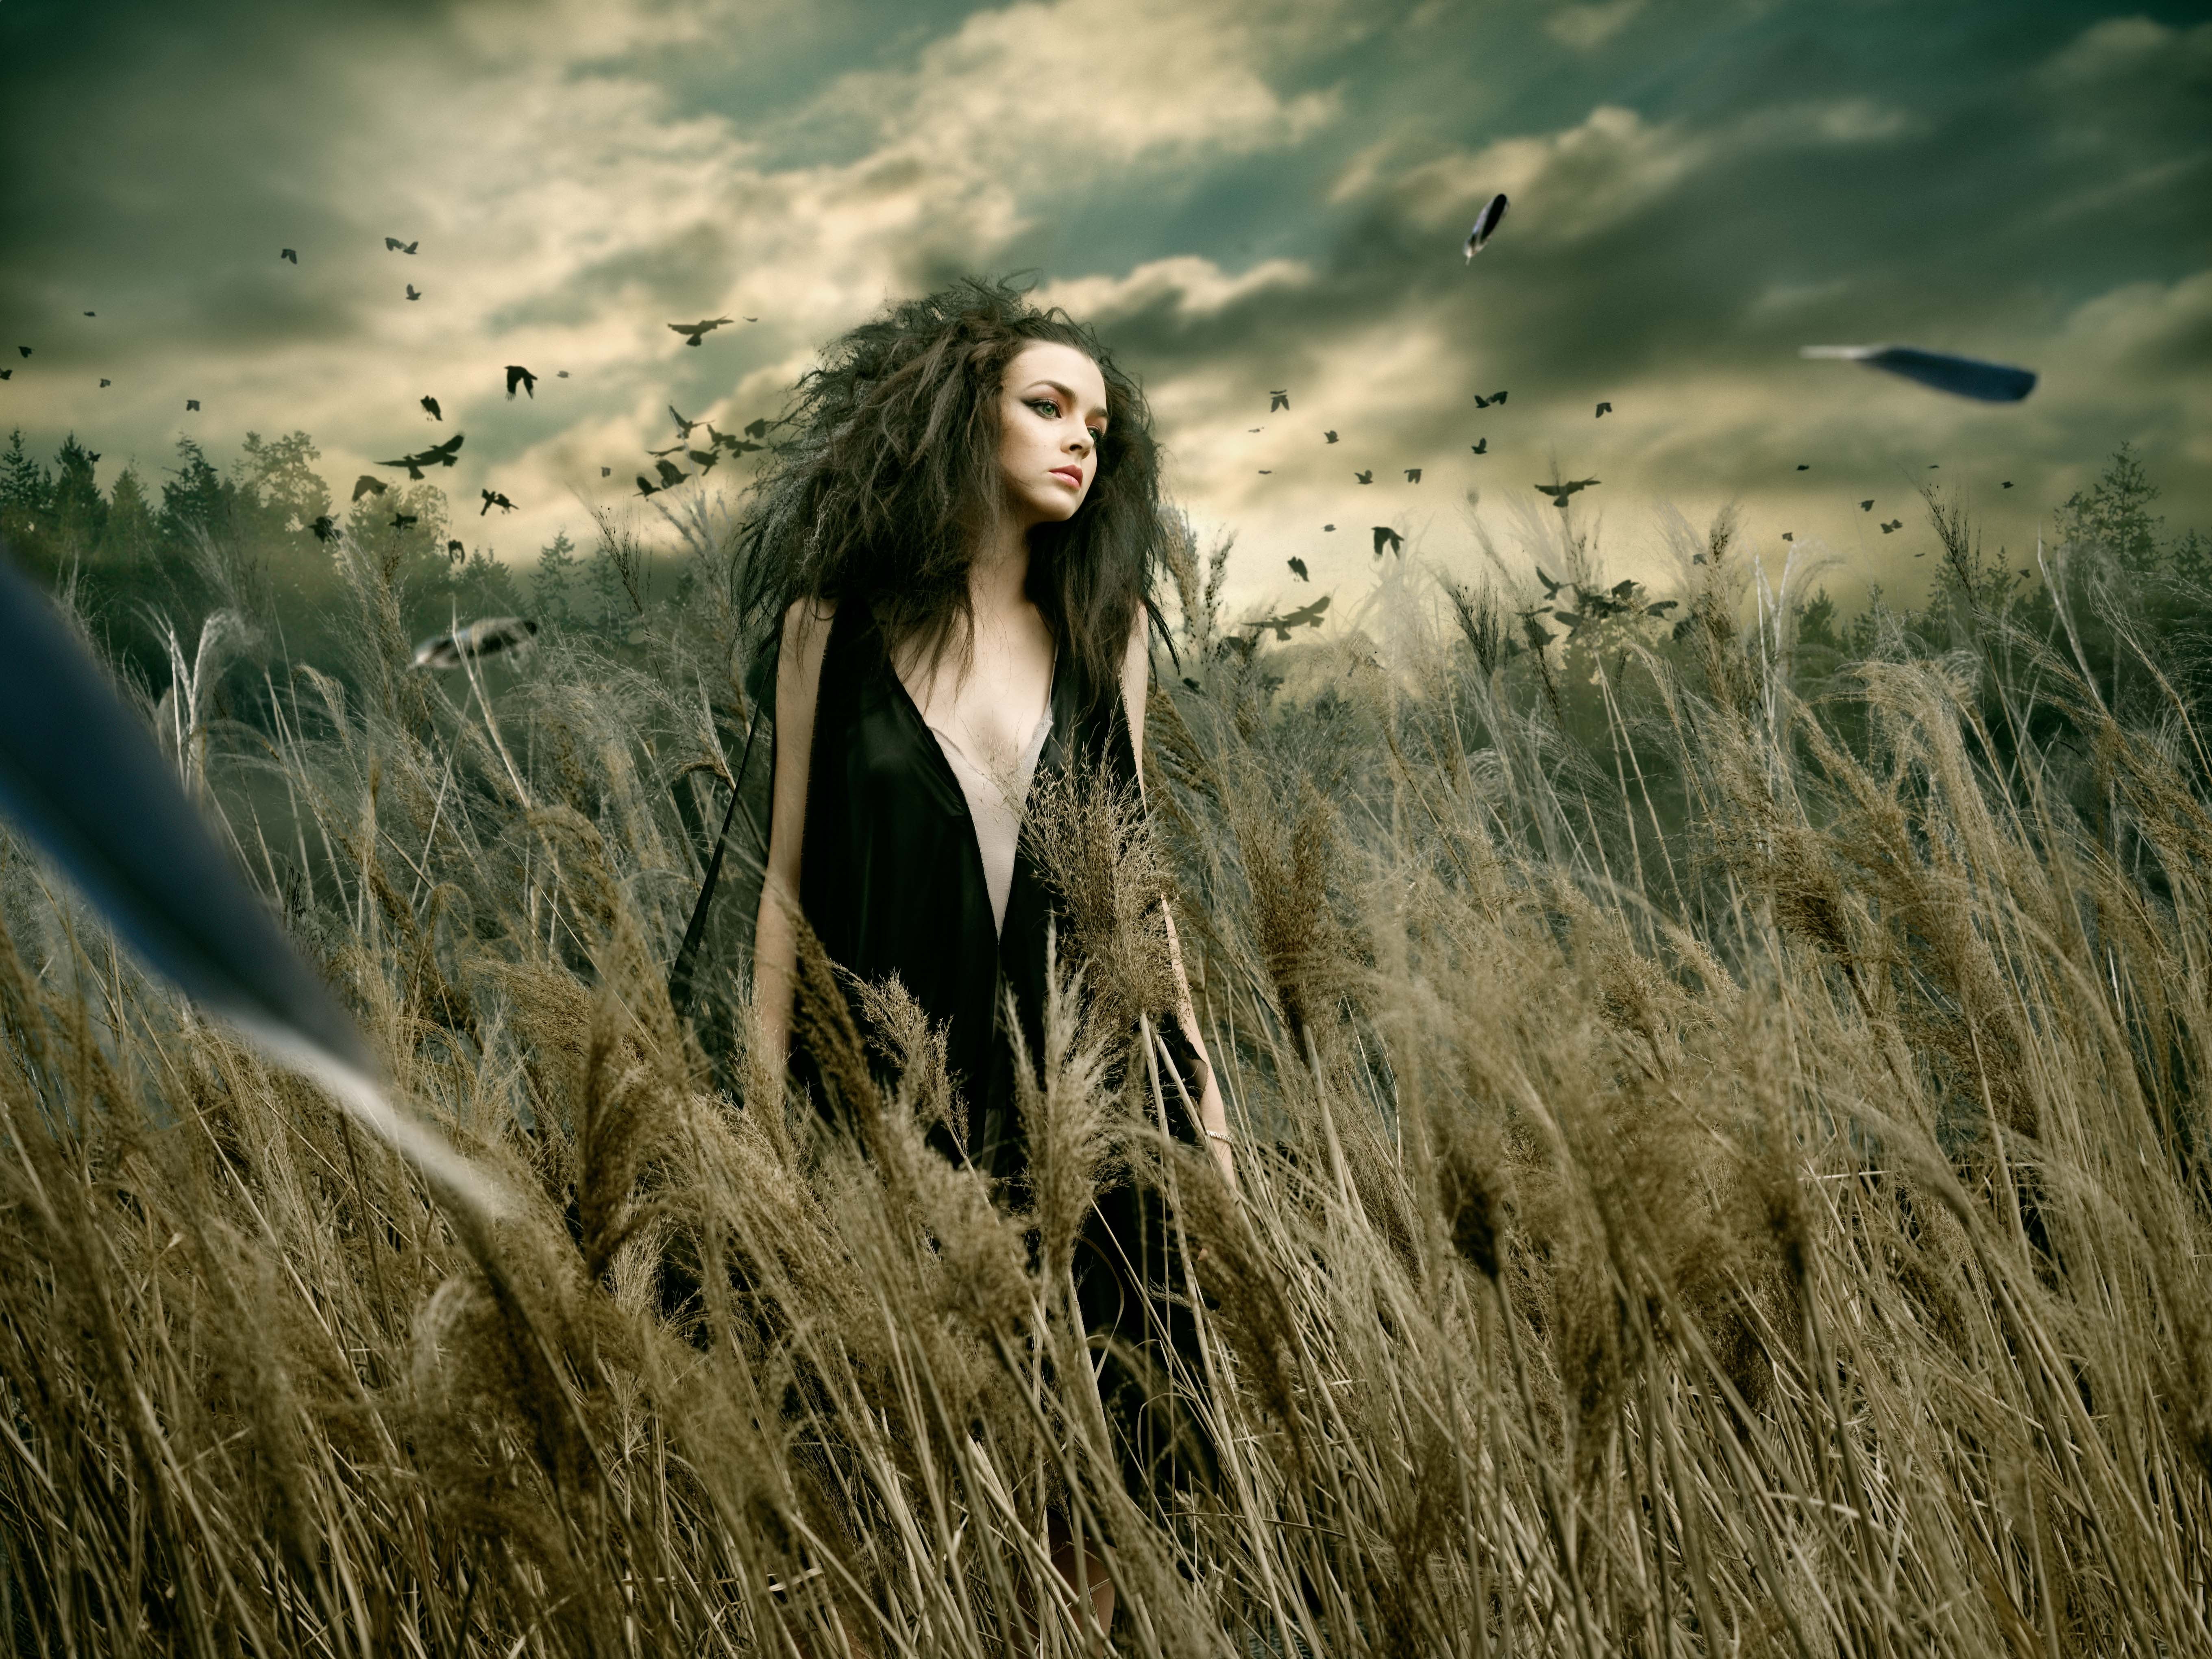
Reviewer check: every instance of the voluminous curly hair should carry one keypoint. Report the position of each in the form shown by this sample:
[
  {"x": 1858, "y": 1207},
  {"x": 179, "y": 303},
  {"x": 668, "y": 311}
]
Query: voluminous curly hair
[{"x": 888, "y": 476}]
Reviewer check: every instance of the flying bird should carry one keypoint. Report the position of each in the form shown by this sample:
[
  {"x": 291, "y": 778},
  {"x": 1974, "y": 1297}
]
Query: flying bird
[
  {"x": 487, "y": 637},
  {"x": 682, "y": 427},
  {"x": 1329, "y": 527},
  {"x": 414, "y": 293},
  {"x": 1866, "y": 506},
  {"x": 1787, "y": 537},
  {"x": 92, "y": 313},
  {"x": 390, "y": 242},
  {"x": 1413, "y": 475},
  {"x": 757, "y": 428},
  {"x": 1481, "y": 401},
  {"x": 1386, "y": 536},
  {"x": 1603, "y": 409},
  {"x": 445, "y": 454},
  {"x": 289, "y": 253},
  {"x": 1962, "y": 377},
  {"x": 405, "y": 520},
  {"x": 1560, "y": 492},
  {"x": 26, "y": 350},
  {"x": 1804, "y": 467},
  {"x": 492, "y": 498},
  {"x": 325, "y": 527},
  {"x": 104, "y": 384},
  {"x": 646, "y": 486},
  {"x": 606, "y": 472},
  {"x": 1331, "y": 436},
  {"x": 1298, "y": 570},
  {"x": 190, "y": 404},
  {"x": 517, "y": 375},
  {"x": 671, "y": 474},
  {"x": 1266, "y": 471},
  {"x": 455, "y": 549},
  {"x": 2006, "y": 485},
  {"x": 367, "y": 484},
  {"x": 1365, "y": 478},
  {"x": 431, "y": 404},
  {"x": 1550, "y": 588},
  {"x": 560, "y": 373},
  {"x": 1255, "y": 428},
  {"x": 7, "y": 373},
  {"x": 1275, "y": 400},
  {"x": 1485, "y": 223},
  {"x": 1891, "y": 526},
  {"x": 1480, "y": 448},
  {"x": 698, "y": 330}
]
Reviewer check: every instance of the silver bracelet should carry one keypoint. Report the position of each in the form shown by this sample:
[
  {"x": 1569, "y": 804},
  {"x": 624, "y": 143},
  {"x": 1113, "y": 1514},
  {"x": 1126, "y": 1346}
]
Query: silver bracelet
[{"x": 1216, "y": 1134}]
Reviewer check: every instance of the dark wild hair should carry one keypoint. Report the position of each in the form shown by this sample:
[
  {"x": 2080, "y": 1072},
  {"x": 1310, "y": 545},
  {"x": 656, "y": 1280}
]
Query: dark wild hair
[{"x": 890, "y": 472}]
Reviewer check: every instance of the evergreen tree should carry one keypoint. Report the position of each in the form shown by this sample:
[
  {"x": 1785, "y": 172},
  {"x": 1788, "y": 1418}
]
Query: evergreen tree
[
  {"x": 553, "y": 587},
  {"x": 199, "y": 498},
  {"x": 79, "y": 512},
  {"x": 2112, "y": 517},
  {"x": 128, "y": 540},
  {"x": 26, "y": 494}
]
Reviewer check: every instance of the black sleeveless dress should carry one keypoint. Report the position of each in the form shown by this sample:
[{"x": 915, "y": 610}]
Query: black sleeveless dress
[{"x": 891, "y": 881}]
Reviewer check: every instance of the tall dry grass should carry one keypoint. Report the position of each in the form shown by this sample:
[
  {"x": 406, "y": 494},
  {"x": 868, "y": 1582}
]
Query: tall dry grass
[{"x": 1727, "y": 1190}]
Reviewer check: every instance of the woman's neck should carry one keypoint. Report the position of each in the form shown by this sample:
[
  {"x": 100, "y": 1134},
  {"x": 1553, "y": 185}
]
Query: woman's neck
[{"x": 998, "y": 578}]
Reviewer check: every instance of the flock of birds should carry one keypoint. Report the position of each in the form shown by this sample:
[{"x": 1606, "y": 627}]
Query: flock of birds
[
  {"x": 1960, "y": 376},
  {"x": 1965, "y": 377}
]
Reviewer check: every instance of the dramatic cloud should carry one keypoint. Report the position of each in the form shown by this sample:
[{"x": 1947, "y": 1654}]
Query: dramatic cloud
[{"x": 1243, "y": 196}]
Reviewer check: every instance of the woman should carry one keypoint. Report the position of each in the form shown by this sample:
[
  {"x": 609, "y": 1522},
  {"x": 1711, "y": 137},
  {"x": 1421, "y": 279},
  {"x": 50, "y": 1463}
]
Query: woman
[{"x": 960, "y": 548}]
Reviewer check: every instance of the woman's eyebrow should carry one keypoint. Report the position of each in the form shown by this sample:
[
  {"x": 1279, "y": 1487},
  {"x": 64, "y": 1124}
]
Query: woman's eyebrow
[{"x": 1068, "y": 396}]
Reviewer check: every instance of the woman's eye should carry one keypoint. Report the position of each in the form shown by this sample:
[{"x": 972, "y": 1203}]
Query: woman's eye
[{"x": 1047, "y": 406}]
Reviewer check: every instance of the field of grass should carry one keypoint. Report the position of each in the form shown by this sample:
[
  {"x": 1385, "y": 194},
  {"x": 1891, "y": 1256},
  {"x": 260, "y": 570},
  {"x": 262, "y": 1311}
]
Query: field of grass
[{"x": 1723, "y": 1167}]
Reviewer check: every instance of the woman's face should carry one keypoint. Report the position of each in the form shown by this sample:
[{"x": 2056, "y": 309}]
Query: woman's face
[{"x": 1052, "y": 412}]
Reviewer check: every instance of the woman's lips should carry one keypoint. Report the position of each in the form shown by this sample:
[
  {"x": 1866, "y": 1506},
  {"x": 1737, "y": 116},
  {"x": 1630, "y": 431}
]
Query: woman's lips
[{"x": 1073, "y": 474}]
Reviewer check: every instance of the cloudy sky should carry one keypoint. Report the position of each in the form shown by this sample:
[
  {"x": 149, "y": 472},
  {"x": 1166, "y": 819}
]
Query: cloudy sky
[{"x": 1244, "y": 194}]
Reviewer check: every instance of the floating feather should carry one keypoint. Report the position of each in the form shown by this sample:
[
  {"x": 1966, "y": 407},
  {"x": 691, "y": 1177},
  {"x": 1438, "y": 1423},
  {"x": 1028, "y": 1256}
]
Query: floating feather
[
  {"x": 1962, "y": 377},
  {"x": 485, "y": 638},
  {"x": 1485, "y": 223},
  {"x": 84, "y": 779}
]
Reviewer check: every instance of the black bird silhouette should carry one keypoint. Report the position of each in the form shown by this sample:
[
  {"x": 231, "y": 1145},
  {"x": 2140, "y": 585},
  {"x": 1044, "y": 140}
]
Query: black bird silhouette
[
  {"x": 445, "y": 454},
  {"x": 1365, "y": 478},
  {"x": 492, "y": 498},
  {"x": 26, "y": 350},
  {"x": 1891, "y": 526},
  {"x": 1804, "y": 467},
  {"x": 1866, "y": 506},
  {"x": 1329, "y": 527},
  {"x": 682, "y": 427},
  {"x": 7, "y": 373},
  {"x": 703, "y": 458},
  {"x": 757, "y": 428},
  {"x": 1278, "y": 400},
  {"x": 697, "y": 331},
  {"x": 431, "y": 404},
  {"x": 646, "y": 486},
  {"x": 93, "y": 456},
  {"x": 190, "y": 404},
  {"x": 325, "y": 527},
  {"x": 390, "y": 242},
  {"x": 2007, "y": 485},
  {"x": 1932, "y": 465},
  {"x": 517, "y": 375},
  {"x": 405, "y": 521},
  {"x": 1306, "y": 615},
  {"x": 1787, "y": 536},
  {"x": 1331, "y": 436},
  {"x": 560, "y": 373},
  {"x": 92, "y": 313},
  {"x": 1560, "y": 492},
  {"x": 1255, "y": 428},
  {"x": 1481, "y": 447},
  {"x": 454, "y": 550},
  {"x": 367, "y": 484},
  {"x": 1413, "y": 475},
  {"x": 606, "y": 472},
  {"x": 414, "y": 293},
  {"x": 671, "y": 474},
  {"x": 671, "y": 450},
  {"x": 104, "y": 384},
  {"x": 1481, "y": 401},
  {"x": 1550, "y": 588},
  {"x": 1603, "y": 409},
  {"x": 1386, "y": 536},
  {"x": 288, "y": 254},
  {"x": 1266, "y": 471},
  {"x": 1298, "y": 570}
]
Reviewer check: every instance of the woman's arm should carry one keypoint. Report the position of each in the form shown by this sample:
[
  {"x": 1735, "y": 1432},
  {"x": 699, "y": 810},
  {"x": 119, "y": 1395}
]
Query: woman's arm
[
  {"x": 775, "y": 940},
  {"x": 1136, "y": 679}
]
